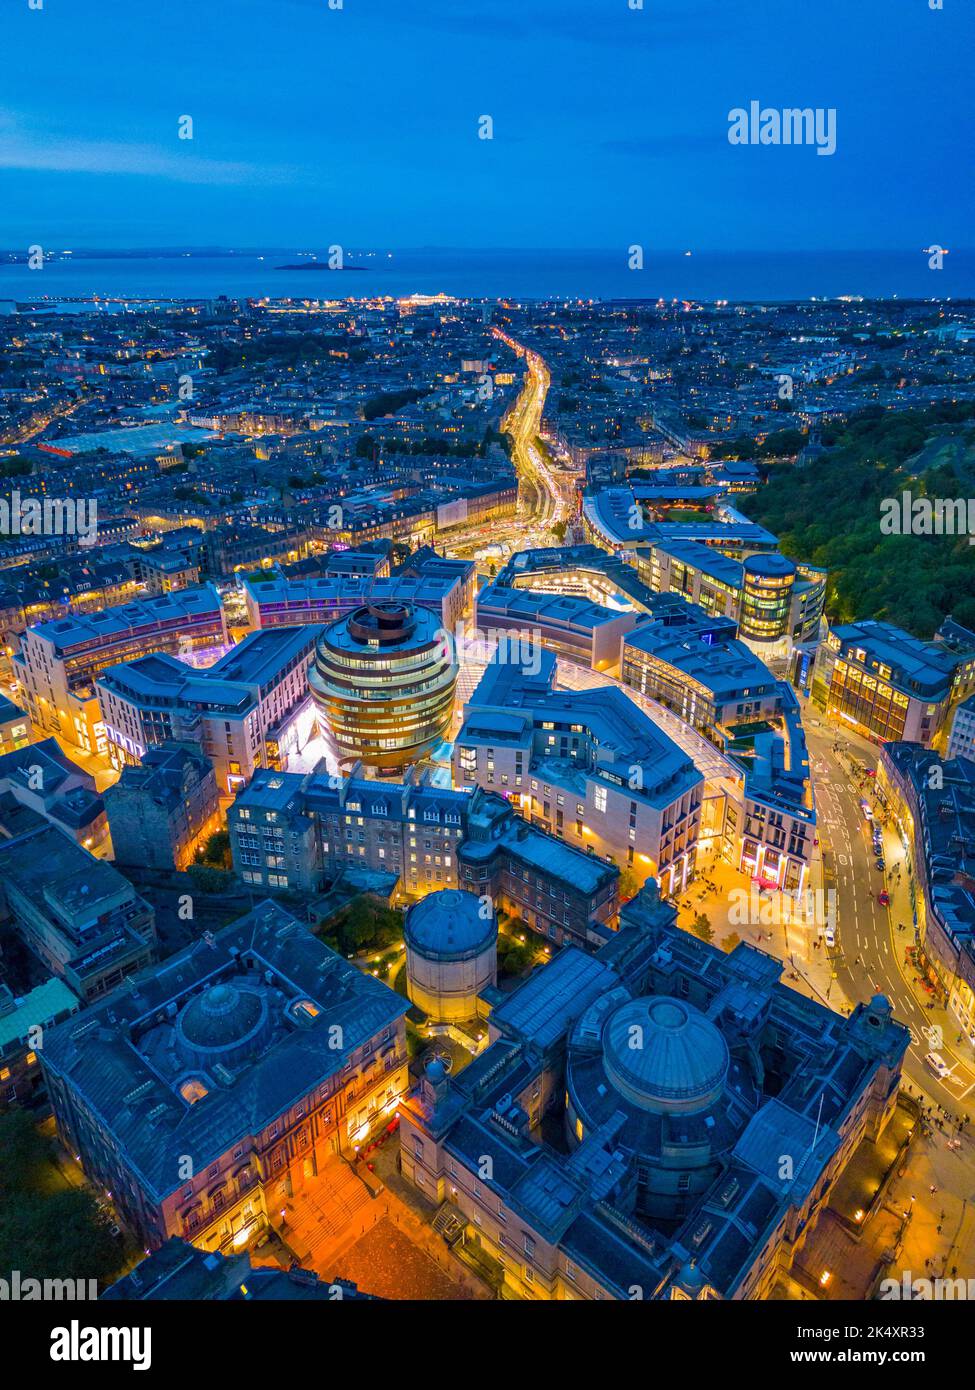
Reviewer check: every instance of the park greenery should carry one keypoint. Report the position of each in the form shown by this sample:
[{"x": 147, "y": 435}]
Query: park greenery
[
  {"x": 365, "y": 925},
  {"x": 826, "y": 511},
  {"x": 47, "y": 1229}
]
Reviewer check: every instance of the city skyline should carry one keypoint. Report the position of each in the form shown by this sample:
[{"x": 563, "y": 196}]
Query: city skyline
[{"x": 487, "y": 736}]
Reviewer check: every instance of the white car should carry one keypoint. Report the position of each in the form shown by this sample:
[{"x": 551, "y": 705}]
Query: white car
[
  {"x": 830, "y": 934},
  {"x": 938, "y": 1065}
]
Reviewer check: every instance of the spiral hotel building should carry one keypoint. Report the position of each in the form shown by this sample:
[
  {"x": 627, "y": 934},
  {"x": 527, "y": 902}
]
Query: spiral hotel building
[{"x": 384, "y": 678}]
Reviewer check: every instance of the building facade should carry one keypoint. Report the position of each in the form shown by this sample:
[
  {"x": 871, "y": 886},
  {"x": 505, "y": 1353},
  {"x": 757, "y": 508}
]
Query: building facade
[
  {"x": 209, "y": 1095},
  {"x": 250, "y": 709},
  {"x": 587, "y": 766},
  {"x": 383, "y": 681},
  {"x": 161, "y": 810},
  {"x": 59, "y": 662}
]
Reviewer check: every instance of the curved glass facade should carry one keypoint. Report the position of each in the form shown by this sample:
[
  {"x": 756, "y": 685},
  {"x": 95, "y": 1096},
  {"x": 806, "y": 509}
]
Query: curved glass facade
[
  {"x": 384, "y": 679},
  {"x": 766, "y": 597}
]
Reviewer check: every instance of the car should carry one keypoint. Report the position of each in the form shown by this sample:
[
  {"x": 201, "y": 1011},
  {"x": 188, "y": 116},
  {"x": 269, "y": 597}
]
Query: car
[
  {"x": 880, "y": 864},
  {"x": 938, "y": 1065},
  {"x": 883, "y": 899},
  {"x": 830, "y": 934}
]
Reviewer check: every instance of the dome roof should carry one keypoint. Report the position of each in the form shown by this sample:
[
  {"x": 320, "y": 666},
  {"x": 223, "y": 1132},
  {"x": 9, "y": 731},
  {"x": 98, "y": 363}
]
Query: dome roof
[
  {"x": 662, "y": 1054},
  {"x": 220, "y": 1017},
  {"x": 449, "y": 924}
]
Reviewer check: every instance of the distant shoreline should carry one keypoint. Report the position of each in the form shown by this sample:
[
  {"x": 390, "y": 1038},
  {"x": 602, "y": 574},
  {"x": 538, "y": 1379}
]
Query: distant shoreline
[{"x": 321, "y": 265}]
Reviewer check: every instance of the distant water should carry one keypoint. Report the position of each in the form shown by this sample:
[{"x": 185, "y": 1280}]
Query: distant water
[{"x": 521, "y": 275}]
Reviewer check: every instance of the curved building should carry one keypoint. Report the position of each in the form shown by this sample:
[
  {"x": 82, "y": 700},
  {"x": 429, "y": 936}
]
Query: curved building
[
  {"x": 766, "y": 597},
  {"x": 451, "y": 953},
  {"x": 666, "y": 1067},
  {"x": 383, "y": 677}
]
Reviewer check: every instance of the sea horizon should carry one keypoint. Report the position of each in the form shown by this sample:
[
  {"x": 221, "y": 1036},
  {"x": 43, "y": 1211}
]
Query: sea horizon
[{"x": 154, "y": 273}]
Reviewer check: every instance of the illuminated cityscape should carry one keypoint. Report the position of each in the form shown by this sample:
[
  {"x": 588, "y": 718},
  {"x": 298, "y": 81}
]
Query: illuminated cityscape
[{"x": 487, "y": 704}]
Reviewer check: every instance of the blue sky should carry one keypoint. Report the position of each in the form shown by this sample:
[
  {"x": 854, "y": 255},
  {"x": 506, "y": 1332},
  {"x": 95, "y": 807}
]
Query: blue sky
[{"x": 359, "y": 126}]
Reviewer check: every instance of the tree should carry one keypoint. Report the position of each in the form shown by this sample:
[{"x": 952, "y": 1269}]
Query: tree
[
  {"x": 516, "y": 960},
  {"x": 629, "y": 885},
  {"x": 701, "y": 927},
  {"x": 46, "y": 1235},
  {"x": 731, "y": 941},
  {"x": 216, "y": 851}
]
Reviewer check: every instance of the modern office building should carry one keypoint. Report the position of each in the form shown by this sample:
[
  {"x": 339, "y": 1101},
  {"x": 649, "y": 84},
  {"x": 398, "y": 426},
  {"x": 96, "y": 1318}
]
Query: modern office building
[
  {"x": 700, "y": 574},
  {"x": 701, "y": 671},
  {"x": 671, "y": 1182},
  {"x": 614, "y": 518},
  {"x": 728, "y": 565},
  {"x": 884, "y": 683},
  {"x": 583, "y": 570},
  {"x": 769, "y": 825},
  {"x": 59, "y": 662},
  {"x": 776, "y": 603},
  {"x": 212, "y": 1091},
  {"x": 274, "y": 600},
  {"x": 766, "y": 598},
  {"x": 588, "y": 766},
  {"x": 760, "y": 815},
  {"x": 933, "y": 802},
  {"x": 250, "y": 709},
  {"x": 567, "y": 624},
  {"x": 163, "y": 808},
  {"x": 85, "y": 922},
  {"x": 383, "y": 680}
]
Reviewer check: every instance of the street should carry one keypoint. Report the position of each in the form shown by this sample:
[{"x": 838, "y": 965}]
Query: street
[{"x": 870, "y": 954}]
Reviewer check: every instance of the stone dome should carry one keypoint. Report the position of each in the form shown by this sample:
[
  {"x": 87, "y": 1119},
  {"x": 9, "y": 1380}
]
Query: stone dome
[
  {"x": 220, "y": 1020},
  {"x": 450, "y": 924},
  {"x": 663, "y": 1054}
]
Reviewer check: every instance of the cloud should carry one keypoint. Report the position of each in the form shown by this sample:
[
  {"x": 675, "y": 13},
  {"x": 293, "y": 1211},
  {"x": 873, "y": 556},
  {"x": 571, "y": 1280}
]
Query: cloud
[{"x": 77, "y": 155}]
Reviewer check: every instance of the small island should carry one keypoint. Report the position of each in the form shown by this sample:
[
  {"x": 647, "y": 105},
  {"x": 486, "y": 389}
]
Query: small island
[{"x": 319, "y": 265}]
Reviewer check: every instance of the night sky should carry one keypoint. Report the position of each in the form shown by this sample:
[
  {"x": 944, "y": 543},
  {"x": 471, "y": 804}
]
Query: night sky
[{"x": 359, "y": 126}]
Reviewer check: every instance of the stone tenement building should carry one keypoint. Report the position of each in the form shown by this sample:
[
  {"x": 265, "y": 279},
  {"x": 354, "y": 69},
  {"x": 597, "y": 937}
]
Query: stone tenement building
[
  {"x": 290, "y": 831},
  {"x": 161, "y": 809}
]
